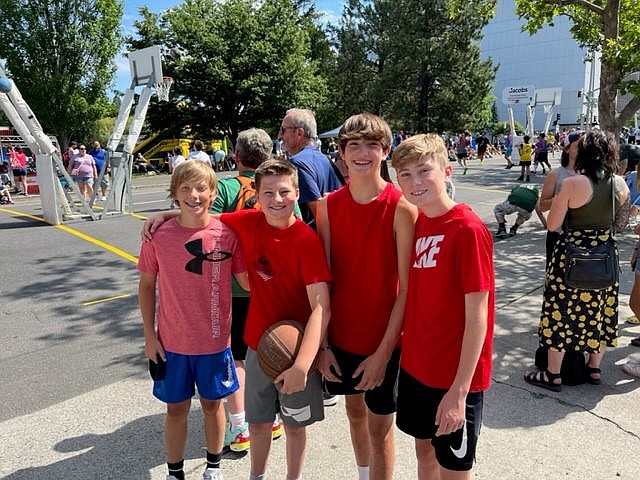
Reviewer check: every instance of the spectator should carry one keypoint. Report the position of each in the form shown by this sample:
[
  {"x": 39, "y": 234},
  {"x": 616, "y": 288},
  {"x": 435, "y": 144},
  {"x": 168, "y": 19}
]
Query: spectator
[
  {"x": 198, "y": 153},
  {"x": 140, "y": 164},
  {"x": 82, "y": 167},
  {"x": 102, "y": 167},
  {"x": 316, "y": 175},
  {"x": 4, "y": 192},
  {"x": 177, "y": 158},
  {"x": 522, "y": 200},
  {"x": 585, "y": 200},
  {"x": 18, "y": 161}
]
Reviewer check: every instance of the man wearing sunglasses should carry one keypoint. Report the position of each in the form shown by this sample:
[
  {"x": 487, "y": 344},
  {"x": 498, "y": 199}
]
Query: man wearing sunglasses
[{"x": 316, "y": 176}]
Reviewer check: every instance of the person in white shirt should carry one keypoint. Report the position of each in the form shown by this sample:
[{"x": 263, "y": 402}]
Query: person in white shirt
[
  {"x": 177, "y": 158},
  {"x": 199, "y": 153}
]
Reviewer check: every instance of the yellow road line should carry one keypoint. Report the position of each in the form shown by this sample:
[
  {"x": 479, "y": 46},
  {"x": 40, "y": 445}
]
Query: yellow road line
[
  {"x": 81, "y": 235},
  {"x": 108, "y": 299}
]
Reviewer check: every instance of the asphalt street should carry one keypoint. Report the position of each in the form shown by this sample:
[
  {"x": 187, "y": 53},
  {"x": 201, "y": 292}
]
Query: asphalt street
[{"x": 75, "y": 396}]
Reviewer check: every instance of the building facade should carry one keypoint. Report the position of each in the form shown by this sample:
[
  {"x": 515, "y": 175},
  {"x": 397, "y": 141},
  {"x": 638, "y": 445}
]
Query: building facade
[{"x": 549, "y": 59}]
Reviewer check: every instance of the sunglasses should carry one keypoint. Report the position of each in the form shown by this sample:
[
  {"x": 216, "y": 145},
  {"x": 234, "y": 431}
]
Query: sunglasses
[{"x": 284, "y": 129}]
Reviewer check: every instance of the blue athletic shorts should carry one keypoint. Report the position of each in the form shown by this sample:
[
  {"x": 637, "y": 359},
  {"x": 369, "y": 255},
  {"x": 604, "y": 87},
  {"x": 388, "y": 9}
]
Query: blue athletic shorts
[{"x": 213, "y": 374}]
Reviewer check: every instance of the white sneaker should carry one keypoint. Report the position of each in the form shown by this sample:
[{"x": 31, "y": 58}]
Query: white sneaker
[
  {"x": 212, "y": 474},
  {"x": 104, "y": 198},
  {"x": 329, "y": 400}
]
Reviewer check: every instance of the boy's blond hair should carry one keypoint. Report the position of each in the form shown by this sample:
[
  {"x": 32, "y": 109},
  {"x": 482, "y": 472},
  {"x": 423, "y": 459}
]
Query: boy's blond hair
[
  {"x": 192, "y": 170},
  {"x": 414, "y": 148},
  {"x": 365, "y": 126},
  {"x": 276, "y": 167}
]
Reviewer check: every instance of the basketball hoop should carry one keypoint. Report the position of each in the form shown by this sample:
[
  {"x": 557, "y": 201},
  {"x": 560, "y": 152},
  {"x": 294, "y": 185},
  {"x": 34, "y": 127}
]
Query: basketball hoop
[{"x": 162, "y": 88}]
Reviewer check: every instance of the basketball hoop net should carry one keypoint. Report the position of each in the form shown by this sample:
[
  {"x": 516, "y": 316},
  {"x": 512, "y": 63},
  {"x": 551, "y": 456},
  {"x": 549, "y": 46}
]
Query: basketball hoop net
[{"x": 162, "y": 88}]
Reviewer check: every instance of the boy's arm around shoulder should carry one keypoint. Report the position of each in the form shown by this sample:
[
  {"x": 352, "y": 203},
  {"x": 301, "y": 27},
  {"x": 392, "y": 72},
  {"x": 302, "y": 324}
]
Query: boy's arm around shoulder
[
  {"x": 373, "y": 367},
  {"x": 294, "y": 379},
  {"x": 147, "y": 301}
]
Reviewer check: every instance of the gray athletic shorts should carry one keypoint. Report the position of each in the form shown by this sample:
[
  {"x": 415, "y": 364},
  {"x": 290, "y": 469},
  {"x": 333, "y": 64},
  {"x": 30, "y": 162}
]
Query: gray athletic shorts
[{"x": 263, "y": 399}]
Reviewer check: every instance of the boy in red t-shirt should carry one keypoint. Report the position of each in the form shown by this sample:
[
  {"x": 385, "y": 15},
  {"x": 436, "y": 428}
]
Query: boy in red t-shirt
[
  {"x": 449, "y": 316},
  {"x": 289, "y": 279},
  {"x": 367, "y": 229},
  {"x": 191, "y": 259}
]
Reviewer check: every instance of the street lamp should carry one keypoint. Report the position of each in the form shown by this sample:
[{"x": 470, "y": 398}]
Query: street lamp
[{"x": 425, "y": 87}]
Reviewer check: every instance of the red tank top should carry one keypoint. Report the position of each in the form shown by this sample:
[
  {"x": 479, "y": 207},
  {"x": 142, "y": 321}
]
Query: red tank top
[{"x": 364, "y": 267}]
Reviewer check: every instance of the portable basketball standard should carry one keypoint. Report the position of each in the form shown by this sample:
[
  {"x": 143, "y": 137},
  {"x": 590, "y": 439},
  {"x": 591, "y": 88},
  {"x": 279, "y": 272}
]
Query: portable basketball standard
[
  {"x": 162, "y": 88},
  {"x": 279, "y": 346}
]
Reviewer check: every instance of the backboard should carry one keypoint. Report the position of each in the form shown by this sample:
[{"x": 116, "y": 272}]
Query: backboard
[
  {"x": 145, "y": 66},
  {"x": 548, "y": 96}
]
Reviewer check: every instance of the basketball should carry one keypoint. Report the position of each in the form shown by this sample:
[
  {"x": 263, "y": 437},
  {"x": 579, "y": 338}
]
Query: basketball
[
  {"x": 5, "y": 85},
  {"x": 278, "y": 347}
]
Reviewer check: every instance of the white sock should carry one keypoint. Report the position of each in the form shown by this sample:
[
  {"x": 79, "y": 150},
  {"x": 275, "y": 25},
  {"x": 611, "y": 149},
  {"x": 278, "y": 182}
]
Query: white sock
[
  {"x": 363, "y": 473},
  {"x": 236, "y": 419}
]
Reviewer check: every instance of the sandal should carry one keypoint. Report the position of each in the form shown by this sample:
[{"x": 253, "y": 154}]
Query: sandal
[
  {"x": 635, "y": 342},
  {"x": 592, "y": 371},
  {"x": 537, "y": 379}
]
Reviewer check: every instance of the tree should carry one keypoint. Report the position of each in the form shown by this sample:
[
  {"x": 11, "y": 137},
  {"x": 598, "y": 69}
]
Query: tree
[
  {"x": 416, "y": 63},
  {"x": 242, "y": 64},
  {"x": 611, "y": 27},
  {"x": 60, "y": 55}
]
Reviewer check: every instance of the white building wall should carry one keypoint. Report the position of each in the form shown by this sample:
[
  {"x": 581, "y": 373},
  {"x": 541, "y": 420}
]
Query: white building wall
[{"x": 550, "y": 58}]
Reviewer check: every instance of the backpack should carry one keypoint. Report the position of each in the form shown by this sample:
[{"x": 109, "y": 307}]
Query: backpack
[{"x": 247, "y": 194}]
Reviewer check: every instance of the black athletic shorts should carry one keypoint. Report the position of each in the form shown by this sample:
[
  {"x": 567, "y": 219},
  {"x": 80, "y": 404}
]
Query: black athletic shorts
[
  {"x": 380, "y": 400},
  {"x": 417, "y": 407},
  {"x": 239, "y": 311}
]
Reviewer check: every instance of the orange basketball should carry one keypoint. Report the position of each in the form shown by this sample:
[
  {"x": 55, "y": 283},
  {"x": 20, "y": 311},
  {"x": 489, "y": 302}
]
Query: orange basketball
[{"x": 278, "y": 347}]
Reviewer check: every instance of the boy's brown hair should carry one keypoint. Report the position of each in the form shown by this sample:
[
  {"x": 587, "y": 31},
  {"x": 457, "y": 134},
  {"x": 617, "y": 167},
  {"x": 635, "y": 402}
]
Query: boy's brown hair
[
  {"x": 365, "y": 126},
  {"x": 192, "y": 170},
  {"x": 413, "y": 149},
  {"x": 276, "y": 167}
]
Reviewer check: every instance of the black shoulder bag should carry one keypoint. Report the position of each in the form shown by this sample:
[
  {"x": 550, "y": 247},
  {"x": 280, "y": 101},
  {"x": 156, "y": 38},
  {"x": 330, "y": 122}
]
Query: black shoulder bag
[{"x": 594, "y": 268}]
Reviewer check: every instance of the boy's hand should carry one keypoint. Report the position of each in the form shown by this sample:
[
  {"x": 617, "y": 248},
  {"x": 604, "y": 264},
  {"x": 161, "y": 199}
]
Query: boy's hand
[
  {"x": 152, "y": 348},
  {"x": 151, "y": 224},
  {"x": 450, "y": 415},
  {"x": 372, "y": 370},
  {"x": 293, "y": 379},
  {"x": 327, "y": 360}
]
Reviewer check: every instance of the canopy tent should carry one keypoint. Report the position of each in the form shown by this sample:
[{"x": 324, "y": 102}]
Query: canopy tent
[{"x": 330, "y": 133}]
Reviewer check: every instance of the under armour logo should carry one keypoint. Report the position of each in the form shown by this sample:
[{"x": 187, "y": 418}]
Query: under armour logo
[
  {"x": 426, "y": 248},
  {"x": 194, "y": 247}
]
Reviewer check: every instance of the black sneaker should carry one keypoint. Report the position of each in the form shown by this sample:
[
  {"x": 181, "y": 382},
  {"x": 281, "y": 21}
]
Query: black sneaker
[
  {"x": 527, "y": 179},
  {"x": 329, "y": 400},
  {"x": 521, "y": 178}
]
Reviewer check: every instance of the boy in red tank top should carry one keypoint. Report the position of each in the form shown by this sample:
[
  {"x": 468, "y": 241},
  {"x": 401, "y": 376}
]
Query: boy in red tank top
[
  {"x": 367, "y": 230},
  {"x": 449, "y": 317}
]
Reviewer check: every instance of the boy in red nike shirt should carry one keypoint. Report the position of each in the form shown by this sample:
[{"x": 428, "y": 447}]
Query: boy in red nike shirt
[{"x": 449, "y": 316}]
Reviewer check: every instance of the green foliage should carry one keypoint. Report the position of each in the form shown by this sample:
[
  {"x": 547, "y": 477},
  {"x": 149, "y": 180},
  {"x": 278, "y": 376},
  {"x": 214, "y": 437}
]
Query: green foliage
[
  {"x": 611, "y": 27},
  {"x": 242, "y": 64},
  {"x": 60, "y": 55},
  {"x": 416, "y": 63},
  {"x": 501, "y": 127}
]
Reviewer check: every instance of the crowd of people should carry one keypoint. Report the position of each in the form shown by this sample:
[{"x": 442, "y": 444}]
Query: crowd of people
[{"x": 327, "y": 240}]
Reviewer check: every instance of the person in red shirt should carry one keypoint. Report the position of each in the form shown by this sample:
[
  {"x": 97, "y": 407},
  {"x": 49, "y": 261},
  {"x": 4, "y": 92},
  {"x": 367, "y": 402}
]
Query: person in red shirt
[
  {"x": 289, "y": 279},
  {"x": 367, "y": 229},
  {"x": 449, "y": 317}
]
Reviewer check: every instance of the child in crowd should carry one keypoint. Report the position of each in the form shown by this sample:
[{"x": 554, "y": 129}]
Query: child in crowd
[
  {"x": 191, "y": 259},
  {"x": 522, "y": 200},
  {"x": 367, "y": 229},
  {"x": 525, "y": 149},
  {"x": 289, "y": 279},
  {"x": 4, "y": 192},
  {"x": 449, "y": 317}
]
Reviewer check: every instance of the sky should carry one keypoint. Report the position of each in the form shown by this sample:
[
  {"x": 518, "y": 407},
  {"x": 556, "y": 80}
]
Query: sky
[{"x": 331, "y": 8}]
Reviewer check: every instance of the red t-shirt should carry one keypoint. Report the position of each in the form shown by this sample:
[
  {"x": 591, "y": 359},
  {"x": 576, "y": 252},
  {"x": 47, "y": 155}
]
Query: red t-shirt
[
  {"x": 364, "y": 265},
  {"x": 453, "y": 256},
  {"x": 194, "y": 310},
  {"x": 280, "y": 263}
]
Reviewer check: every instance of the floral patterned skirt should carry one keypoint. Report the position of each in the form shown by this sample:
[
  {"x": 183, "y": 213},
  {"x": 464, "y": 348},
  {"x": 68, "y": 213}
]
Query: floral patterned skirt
[{"x": 574, "y": 319}]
